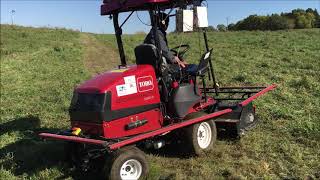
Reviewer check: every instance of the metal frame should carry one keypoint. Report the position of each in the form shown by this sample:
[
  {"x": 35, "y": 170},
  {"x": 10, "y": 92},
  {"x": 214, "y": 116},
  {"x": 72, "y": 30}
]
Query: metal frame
[
  {"x": 211, "y": 72},
  {"x": 118, "y": 33},
  {"x": 155, "y": 9},
  {"x": 238, "y": 93},
  {"x": 111, "y": 145}
]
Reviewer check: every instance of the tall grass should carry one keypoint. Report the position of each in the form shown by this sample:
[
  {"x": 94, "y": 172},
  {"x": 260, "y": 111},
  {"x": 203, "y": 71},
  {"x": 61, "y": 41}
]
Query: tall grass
[{"x": 40, "y": 67}]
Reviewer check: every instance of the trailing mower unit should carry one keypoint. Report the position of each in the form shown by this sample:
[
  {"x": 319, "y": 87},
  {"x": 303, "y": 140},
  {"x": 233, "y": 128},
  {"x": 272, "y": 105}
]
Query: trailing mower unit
[{"x": 145, "y": 104}]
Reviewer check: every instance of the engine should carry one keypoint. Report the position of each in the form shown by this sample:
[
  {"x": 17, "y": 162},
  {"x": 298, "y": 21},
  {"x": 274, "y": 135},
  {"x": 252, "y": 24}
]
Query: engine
[{"x": 118, "y": 103}]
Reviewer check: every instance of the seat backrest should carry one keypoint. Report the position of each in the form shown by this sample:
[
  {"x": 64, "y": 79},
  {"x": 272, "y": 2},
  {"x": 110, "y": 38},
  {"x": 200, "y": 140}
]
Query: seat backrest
[
  {"x": 146, "y": 54},
  {"x": 203, "y": 64}
]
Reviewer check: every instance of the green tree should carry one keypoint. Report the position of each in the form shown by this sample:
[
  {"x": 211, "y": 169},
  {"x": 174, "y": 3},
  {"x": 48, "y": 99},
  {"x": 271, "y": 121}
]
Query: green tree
[
  {"x": 252, "y": 22},
  {"x": 276, "y": 22},
  {"x": 317, "y": 24},
  {"x": 305, "y": 18},
  {"x": 296, "y": 19},
  {"x": 298, "y": 12},
  {"x": 211, "y": 28},
  {"x": 291, "y": 23},
  {"x": 302, "y": 22},
  {"x": 311, "y": 17},
  {"x": 231, "y": 27},
  {"x": 221, "y": 27}
]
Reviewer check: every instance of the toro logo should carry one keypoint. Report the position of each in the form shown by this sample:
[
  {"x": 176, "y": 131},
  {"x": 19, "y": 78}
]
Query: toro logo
[{"x": 145, "y": 83}]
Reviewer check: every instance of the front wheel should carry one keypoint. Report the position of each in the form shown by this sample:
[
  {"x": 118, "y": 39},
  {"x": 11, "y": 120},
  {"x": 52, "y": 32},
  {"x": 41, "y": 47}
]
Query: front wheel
[
  {"x": 127, "y": 164},
  {"x": 201, "y": 137}
]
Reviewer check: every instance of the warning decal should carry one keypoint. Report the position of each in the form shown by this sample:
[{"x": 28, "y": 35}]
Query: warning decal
[{"x": 129, "y": 86}]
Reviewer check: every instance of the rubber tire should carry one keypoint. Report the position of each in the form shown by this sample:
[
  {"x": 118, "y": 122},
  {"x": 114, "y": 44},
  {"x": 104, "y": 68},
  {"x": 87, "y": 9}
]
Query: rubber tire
[
  {"x": 244, "y": 125},
  {"x": 72, "y": 154},
  {"x": 191, "y": 136},
  {"x": 117, "y": 158}
]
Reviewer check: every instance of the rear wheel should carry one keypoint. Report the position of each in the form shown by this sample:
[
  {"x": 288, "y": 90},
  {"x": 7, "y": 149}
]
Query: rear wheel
[
  {"x": 84, "y": 158},
  {"x": 128, "y": 163},
  {"x": 248, "y": 119},
  {"x": 73, "y": 153},
  {"x": 200, "y": 137}
]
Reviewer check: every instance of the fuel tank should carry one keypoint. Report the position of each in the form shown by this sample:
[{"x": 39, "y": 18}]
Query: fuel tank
[
  {"x": 182, "y": 99},
  {"x": 123, "y": 102}
]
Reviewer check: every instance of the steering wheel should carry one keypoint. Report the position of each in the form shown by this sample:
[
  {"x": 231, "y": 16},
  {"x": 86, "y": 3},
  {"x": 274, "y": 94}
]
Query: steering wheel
[{"x": 181, "y": 50}]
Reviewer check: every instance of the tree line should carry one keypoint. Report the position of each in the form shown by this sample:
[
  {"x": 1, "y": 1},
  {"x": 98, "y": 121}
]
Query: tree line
[{"x": 296, "y": 19}]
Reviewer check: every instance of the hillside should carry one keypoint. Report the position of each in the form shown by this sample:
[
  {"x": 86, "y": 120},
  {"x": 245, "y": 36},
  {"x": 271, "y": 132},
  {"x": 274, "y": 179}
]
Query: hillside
[{"x": 40, "y": 67}]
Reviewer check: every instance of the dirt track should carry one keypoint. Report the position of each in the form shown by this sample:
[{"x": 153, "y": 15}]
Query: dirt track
[{"x": 98, "y": 57}]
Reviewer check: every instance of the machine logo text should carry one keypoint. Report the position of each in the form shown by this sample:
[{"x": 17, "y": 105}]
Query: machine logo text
[{"x": 145, "y": 83}]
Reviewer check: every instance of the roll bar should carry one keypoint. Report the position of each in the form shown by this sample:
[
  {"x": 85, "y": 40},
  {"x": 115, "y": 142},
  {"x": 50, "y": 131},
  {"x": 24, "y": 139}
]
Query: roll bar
[
  {"x": 118, "y": 32},
  {"x": 153, "y": 6}
]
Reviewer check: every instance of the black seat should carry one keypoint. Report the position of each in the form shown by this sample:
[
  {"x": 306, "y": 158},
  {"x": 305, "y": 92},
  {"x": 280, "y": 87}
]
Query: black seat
[{"x": 146, "y": 54}]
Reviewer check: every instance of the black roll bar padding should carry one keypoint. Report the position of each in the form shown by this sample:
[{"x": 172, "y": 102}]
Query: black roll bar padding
[
  {"x": 210, "y": 63},
  {"x": 164, "y": 90},
  {"x": 204, "y": 85},
  {"x": 154, "y": 24},
  {"x": 118, "y": 32}
]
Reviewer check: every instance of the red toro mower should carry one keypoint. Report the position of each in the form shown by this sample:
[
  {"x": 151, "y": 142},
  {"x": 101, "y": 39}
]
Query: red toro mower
[{"x": 144, "y": 105}]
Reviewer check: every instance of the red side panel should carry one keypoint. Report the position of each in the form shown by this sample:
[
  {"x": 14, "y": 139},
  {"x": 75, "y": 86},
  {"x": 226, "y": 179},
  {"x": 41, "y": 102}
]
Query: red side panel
[
  {"x": 118, "y": 128},
  {"x": 167, "y": 129},
  {"x": 134, "y": 96},
  {"x": 145, "y": 93},
  {"x": 131, "y": 87}
]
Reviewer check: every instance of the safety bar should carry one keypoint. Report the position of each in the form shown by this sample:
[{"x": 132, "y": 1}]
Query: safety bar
[
  {"x": 72, "y": 138},
  {"x": 134, "y": 138},
  {"x": 113, "y": 146},
  {"x": 265, "y": 90}
]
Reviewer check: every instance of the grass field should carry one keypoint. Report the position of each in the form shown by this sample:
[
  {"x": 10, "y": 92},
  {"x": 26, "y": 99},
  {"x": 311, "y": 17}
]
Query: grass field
[{"x": 40, "y": 67}]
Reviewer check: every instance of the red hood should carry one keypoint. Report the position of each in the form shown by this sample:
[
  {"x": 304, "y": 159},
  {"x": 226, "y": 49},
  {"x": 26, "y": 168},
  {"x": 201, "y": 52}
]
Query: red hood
[{"x": 103, "y": 82}]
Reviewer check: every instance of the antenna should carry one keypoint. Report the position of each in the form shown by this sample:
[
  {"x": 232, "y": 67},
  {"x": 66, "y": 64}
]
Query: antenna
[{"x": 12, "y": 15}]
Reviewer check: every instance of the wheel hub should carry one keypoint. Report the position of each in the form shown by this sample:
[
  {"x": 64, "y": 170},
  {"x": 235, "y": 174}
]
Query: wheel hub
[
  {"x": 131, "y": 170},
  {"x": 128, "y": 168},
  {"x": 250, "y": 118},
  {"x": 204, "y": 135}
]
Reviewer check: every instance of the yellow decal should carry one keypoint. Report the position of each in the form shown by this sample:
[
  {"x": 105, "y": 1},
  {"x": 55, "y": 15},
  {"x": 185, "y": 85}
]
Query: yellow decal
[{"x": 76, "y": 131}]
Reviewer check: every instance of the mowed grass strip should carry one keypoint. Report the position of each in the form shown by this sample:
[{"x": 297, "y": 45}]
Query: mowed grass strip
[{"x": 40, "y": 67}]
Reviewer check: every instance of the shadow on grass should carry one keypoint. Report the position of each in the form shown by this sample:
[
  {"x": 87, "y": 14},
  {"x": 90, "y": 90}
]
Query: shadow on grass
[
  {"x": 178, "y": 148},
  {"x": 20, "y": 124},
  {"x": 31, "y": 154}
]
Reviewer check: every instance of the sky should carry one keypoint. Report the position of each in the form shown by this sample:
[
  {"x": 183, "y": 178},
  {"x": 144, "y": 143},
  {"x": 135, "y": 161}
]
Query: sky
[{"x": 84, "y": 15}]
